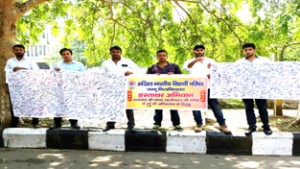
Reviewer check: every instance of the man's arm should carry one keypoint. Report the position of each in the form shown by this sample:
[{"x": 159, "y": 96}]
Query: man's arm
[
  {"x": 8, "y": 66},
  {"x": 133, "y": 68},
  {"x": 18, "y": 68},
  {"x": 212, "y": 62},
  {"x": 177, "y": 69},
  {"x": 191, "y": 64},
  {"x": 7, "y": 69},
  {"x": 149, "y": 71},
  {"x": 81, "y": 67},
  {"x": 104, "y": 68}
]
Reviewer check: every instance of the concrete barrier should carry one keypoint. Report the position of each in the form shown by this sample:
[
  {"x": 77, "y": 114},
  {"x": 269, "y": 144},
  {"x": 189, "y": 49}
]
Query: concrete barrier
[{"x": 187, "y": 141}]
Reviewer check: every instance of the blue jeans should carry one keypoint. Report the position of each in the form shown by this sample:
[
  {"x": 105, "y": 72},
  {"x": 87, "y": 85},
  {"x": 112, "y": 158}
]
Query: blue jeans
[
  {"x": 158, "y": 117},
  {"x": 216, "y": 108},
  {"x": 262, "y": 110}
]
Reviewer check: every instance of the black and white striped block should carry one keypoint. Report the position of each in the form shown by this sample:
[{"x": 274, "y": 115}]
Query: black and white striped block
[
  {"x": 111, "y": 140},
  {"x": 187, "y": 141},
  {"x": 24, "y": 138}
]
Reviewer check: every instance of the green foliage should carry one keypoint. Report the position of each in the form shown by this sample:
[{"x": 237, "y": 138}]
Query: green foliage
[
  {"x": 142, "y": 27},
  {"x": 32, "y": 24}
]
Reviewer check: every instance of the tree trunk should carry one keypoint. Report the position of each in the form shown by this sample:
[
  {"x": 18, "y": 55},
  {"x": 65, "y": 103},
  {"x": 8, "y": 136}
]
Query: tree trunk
[
  {"x": 278, "y": 103},
  {"x": 8, "y": 22},
  {"x": 10, "y": 12}
]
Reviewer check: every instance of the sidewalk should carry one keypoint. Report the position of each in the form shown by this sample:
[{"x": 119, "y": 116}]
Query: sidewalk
[{"x": 235, "y": 120}]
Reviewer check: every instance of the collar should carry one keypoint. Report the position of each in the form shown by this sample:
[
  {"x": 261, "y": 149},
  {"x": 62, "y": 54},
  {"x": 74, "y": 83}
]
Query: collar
[
  {"x": 118, "y": 61},
  {"x": 15, "y": 58},
  {"x": 203, "y": 56},
  {"x": 72, "y": 62},
  {"x": 168, "y": 63},
  {"x": 256, "y": 57}
]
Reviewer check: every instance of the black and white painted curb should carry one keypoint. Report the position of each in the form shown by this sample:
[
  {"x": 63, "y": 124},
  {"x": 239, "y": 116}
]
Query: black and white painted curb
[{"x": 187, "y": 141}]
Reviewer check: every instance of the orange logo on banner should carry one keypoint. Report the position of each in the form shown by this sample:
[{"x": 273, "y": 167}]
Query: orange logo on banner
[
  {"x": 129, "y": 95},
  {"x": 202, "y": 96}
]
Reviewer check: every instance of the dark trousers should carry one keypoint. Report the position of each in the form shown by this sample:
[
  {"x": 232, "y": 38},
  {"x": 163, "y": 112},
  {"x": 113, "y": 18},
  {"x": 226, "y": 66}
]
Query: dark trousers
[
  {"x": 158, "y": 117},
  {"x": 262, "y": 110},
  {"x": 15, "y": 120},
  {"x": 58, "y": 120},
  {"x": 216, "y": 108},
  {"x": 130, "y": 117}
]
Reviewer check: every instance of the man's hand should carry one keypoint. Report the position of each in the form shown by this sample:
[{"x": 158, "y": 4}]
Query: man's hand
[
  {"x": 170, "y": 73},
  {"x": 209, "y": 65},
  {"x": 18, "y": 68},
  {"x": 57, "y": 69},
  {"x": 127, "y": 73}
]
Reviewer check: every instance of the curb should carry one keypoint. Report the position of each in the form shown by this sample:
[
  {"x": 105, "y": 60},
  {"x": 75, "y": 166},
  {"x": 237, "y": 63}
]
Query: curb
[
  {"x": 187, "y": 141},
  {"x": 145, "y": 140},
  {"x": 65, "y": 138},
  {"x": 235, "y": 143},
  {"x": 296, "y": 144}
]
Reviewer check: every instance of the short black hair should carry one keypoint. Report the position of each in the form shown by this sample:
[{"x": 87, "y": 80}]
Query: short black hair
[
  {"x": 18, "y": 46},
  {"x": 65, "y": 49},
  {"x": 249, "y": 45},
  {"x": 115, "y": 48},
  {"x": 160, "y": 51},
  {"x": 199, "y": 47}
]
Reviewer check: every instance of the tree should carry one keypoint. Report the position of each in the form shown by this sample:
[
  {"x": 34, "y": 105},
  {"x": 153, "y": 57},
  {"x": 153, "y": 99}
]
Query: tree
[
  {"x": 277, "y": 29},
  {"x": 10, "y": 12}
]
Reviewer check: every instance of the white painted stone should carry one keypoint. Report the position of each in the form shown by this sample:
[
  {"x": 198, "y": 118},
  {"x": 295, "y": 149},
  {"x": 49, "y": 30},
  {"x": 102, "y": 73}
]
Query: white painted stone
[
  {"x": 279, "y": 143},
  {"x": 238, "y": 134},
  {"x": 111, "y": 140},
  {"x": 25, "y": 137},
  {"x": 186, "y": 141}
]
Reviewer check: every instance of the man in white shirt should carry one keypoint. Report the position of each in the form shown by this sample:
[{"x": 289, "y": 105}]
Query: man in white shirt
[
  {"x": 17, "y": 63},
  {"x": 249, "y": 51},
  {"x": 200, "y": 66},
  {"x": 121, "y": 66}
]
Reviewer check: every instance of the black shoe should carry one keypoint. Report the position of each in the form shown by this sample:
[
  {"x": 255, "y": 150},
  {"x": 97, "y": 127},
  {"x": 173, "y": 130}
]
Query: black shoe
[
  {"x": 108, "y": 128},
  {"x": 75, "y": 126},
  {"x": 36, "y": 126},
  {"x": 130, "y": 128},
  {"x": 268, "y": 131},
  {"x": 250, "y": 131},
  {"x": 55, "y": 126}
]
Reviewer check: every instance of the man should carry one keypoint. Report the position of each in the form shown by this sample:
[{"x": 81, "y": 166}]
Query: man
[
  {"x": 17, "y": 63},
  {"x": 164, "y": 67},
  {"x": 68, "y": 64},
  {"x": 120, "y": 66},
  {"x": 249, "y": 51},
  {"x": 200, "y": 66}
]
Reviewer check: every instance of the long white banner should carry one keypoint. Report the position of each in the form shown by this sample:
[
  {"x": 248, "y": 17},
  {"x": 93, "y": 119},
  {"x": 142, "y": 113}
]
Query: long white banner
[
  {"x": 274, "y": 80},
  {"x": 74, "y": 95}
]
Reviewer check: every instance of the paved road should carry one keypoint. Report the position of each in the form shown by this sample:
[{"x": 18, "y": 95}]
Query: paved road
[{"x": 79, "y": 159}]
